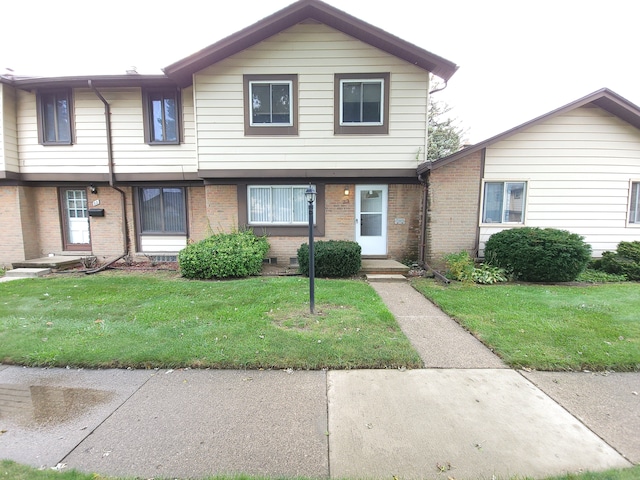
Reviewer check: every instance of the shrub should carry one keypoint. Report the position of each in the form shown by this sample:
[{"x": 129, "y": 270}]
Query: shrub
[
  {"x": 224, "y": 255},
  {"x": 332, "y": 258},
  {"x": 591, "y": 275},
  {"x": 539, "y": 254},
  {"x": 624, "y": 261},
  {"x": 461, "y": 267},
  {"x": 488, "y": 274}
]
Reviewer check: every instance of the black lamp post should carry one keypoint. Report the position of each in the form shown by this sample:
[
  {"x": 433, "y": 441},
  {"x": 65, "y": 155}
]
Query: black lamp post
[{"x": 310, "y": 194}]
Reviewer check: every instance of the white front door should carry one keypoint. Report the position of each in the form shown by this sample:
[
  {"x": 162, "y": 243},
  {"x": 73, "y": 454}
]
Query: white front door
[
  {"x": 371, "y": 218},
  {"x": 75, "y": 219}
]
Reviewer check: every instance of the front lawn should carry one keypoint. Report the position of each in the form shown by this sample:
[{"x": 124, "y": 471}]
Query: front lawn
[
  {"x": 16, "y": 471},
  {"x": 595, "y": 327},
  {"x": 118, "y": 320}
]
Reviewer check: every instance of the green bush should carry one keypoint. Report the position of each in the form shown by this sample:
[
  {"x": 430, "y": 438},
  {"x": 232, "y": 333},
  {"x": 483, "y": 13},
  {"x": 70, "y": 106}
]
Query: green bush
[
  {"x": 461, "y": 267},
  {"x": 224, "y": 255},
  {"x": 624, "y": 261},
  {"x": 591, "y": 275},
  {"x": 332, "y": 258},
  {"x": 539, "y": 254},
  {"x": 488, "y": 274}
]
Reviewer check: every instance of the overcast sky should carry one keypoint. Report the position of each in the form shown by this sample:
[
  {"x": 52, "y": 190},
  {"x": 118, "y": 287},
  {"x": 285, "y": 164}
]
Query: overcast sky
[{"x": 517, "y": 59}]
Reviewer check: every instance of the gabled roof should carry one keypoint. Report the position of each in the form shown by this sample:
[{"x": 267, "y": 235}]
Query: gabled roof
[
  {"x": 604, "y": 98},
  {"x": 182, "y": 70}
]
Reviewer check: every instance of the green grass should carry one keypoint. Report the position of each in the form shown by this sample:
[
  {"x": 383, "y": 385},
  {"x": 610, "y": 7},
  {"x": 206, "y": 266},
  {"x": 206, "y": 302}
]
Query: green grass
[
  {"x": 594, "y": 327},
  {"x": 144, "y": 321},
  {"x": 14, "y": 471}
]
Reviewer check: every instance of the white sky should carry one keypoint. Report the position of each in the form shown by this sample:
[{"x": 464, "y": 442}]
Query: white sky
[{"x": 517, "y": 59}]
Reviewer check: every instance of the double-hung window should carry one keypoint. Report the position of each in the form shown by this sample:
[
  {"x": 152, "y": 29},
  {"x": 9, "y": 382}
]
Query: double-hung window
[
  {"x": 634, "y": 204},
  {"x": 162, "y": 116},
  {"x": 362, "y": 103},
  {"x": 270, "y": 104},
  {"x": 54, "y": 117},
  {"x": 504, "y": 202},
  {"x": 278, "y": 205},
  {"x": 162, "y": 210}
]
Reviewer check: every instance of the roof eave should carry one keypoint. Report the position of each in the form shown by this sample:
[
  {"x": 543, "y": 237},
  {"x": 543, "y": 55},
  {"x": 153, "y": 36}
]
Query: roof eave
[
  {"x": 97, "y": 80},
  {"x": 183, "y": 70},
  {"x": 603, "y": 98}
]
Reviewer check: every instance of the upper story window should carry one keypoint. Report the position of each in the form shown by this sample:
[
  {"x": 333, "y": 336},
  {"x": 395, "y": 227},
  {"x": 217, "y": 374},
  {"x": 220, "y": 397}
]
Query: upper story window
[
  {"x": 162, "y": 116},
  {"x": 54, "y": 117},
  {"x": 503, "y": 202},
  {"x": 270, "y": 104},
  {"x": 634, "y": 204},
  {"x": 362, "y": 103},
  {"x": 278, "y": 205}
]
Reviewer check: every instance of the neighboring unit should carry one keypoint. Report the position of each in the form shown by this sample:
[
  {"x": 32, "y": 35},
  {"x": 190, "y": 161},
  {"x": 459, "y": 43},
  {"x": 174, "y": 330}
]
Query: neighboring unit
[
  {"x": 228, "y": 138},
  {"x": 576, "y": 168}
]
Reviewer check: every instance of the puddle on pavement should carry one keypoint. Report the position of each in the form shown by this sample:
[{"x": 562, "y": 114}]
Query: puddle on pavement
[{"x": 47, "y": 406}]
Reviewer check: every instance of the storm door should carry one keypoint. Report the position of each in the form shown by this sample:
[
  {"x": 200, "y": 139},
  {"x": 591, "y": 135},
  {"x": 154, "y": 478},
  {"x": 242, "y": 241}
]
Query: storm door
[
  {"x": 75, "y": 219},
  {"x": 371, "y": 219}
]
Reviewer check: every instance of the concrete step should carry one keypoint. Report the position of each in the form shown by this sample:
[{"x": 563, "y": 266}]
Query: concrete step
[
  {"x": 385, "y": 277},
  {"x": 382, "y": 266},
  {"x": 59, "y": 262},
  {"x": 27, "y": 272}
]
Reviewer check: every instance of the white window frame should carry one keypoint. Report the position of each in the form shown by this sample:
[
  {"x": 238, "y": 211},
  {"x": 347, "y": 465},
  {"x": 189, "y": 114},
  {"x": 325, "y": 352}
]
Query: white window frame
[
  {"x": 362, "y": 81},
  {"x": 634, "y": 203},
  {"x": 289, "y": 83},
  {"x": 505, "y": 184},
  {"x": 270, "y": 221}
]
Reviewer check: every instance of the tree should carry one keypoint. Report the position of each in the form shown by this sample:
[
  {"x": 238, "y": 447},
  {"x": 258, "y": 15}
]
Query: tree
[{"x": 445, "y": 136}]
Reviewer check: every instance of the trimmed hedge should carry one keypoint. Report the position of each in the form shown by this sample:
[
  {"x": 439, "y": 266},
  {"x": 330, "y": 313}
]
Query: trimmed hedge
[
  {"x": 332, "y": 258},
  {"x": 539, "y": 254},
  {"x": 624, "y": 261},
  {"x": 224, "y": 255}
]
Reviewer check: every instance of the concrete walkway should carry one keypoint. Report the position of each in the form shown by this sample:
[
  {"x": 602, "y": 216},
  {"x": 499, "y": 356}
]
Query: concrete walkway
[{"x": 464, "y": 417}]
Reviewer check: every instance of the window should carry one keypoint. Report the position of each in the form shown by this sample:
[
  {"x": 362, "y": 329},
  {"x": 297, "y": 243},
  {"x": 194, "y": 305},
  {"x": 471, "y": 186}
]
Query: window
[
  {"x": 503, "y": 202},
  {"x": 270, "y": 104},
  {"x": 362, "y": 104},
  {"x": 162, "y": 116},
  {"x": 162, "y": 210},
  {"x": 54, "y": 117},
  {"x": 634, "y": 210},
  {"x": 278, "y": 205}
]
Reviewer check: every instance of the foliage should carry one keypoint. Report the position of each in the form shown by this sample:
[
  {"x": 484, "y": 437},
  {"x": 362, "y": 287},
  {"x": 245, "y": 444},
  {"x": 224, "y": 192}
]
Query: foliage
[
  {"x": 539, "y": 254},
  {"x": 444, "y": 136},
  {"x": 592, "y": 275},
  {"x": 461, "y": 267},
  {"x": 488, "y": 274},
  {"x": 224, "y": 255},
  {"x": 332, "y": 258},
  {"x": 624, "y": 261},
  {"x": 548, "y": 327},
  {"x": 149, "y": 320}
]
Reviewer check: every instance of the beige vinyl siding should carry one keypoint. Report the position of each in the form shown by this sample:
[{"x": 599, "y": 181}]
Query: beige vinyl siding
[
  {"x": 8, "y": 135},
  {"x": 578, "y": 167},
  {"x": 88, "y": 154},
  {"x": 315, "y": 53}
]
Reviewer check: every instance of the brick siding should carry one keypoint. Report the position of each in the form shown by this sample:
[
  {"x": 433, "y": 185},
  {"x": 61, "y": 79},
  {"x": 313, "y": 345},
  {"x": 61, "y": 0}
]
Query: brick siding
[{"x": 453, "y": 209}]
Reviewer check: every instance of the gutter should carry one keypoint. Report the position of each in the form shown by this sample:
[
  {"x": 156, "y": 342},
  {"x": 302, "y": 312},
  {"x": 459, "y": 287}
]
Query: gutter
[{"x": 112, "y": 181}]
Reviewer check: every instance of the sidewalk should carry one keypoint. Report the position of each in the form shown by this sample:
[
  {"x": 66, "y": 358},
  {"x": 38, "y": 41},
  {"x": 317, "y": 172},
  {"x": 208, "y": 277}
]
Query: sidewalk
[{"x": 464, "y": 417}]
